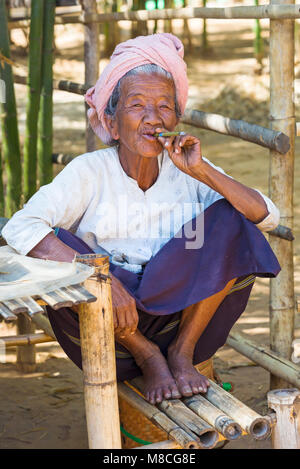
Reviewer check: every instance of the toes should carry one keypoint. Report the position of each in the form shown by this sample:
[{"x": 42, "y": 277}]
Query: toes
[
  {"x": 204, "y": 385},
  {"x": 186, "y": 390},
  {"x": 152, "y": 397},
  {"x": 167, "y": 392},
  {"x": 175, "y": 392},
  {"x": 159, "y": 395},
  {"x": 196, "y": 389}
]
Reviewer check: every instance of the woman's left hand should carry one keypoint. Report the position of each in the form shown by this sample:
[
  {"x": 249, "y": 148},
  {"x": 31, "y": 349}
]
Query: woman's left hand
[{"x": 184, "y": 150}]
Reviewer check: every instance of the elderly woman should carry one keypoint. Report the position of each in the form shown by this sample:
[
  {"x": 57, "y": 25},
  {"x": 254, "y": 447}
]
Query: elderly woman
[{"x": 184, "y": 239}]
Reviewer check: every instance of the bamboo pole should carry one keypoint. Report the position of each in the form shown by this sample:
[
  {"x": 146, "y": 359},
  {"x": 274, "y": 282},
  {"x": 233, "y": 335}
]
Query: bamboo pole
[
  {"x": 98, "y": 360},
  {"x": 26, "y": 339},
  {"x": 281, "y": 184},
  {"x": 26, "y": 359},
  {"x": 45, "y": 125},
  {"x": 282, "y": 232},
  {"x": 278, "y": 366},
  {"x": 286, "y": 431},
  {"x": 204, "y": 31},
  {"x": 220, "y": 421},
  {"x": 237, "y": 128},
  {"x": 185, "y": 419},
  {"x": 178, "y": 434},
  {"x": 250, "y": 421},
  {"x": 189, "y": 421},
  {"x": 258, "y": 42},
  {"x": 33, "y": 98},
  {"x": 288, "y": 11},
  {"x": 91, "y": 61},
  {"x": 9, "y": 125}
]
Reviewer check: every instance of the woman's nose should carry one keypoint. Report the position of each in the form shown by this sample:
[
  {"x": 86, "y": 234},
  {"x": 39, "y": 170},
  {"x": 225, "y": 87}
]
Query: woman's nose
[{"x": 152, "y": 116}]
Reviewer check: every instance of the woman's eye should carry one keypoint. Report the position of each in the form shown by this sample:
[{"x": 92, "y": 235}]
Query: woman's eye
[
  {"x": 166, "y": 107},
  {"x": 137, "y": 105}
]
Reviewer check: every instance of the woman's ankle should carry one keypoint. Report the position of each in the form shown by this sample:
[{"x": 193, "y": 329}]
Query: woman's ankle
[
  {"x": 140, "y": 348},
  {"x": 177, "y": 348}
]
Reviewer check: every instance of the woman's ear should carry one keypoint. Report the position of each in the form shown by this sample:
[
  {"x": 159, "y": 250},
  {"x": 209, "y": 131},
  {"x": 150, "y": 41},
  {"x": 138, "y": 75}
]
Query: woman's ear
[{"x": 111, "y": 124}]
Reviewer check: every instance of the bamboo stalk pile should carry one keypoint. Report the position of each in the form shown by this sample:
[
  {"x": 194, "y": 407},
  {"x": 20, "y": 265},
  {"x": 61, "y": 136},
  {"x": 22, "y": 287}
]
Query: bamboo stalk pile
[{"x": 200, "y": 421}]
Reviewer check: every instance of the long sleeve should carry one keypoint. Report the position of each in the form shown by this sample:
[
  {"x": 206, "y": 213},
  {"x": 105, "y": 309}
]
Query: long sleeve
[
  {"x": 209, "y": 196},
  {"x": 60, "y": 203}
]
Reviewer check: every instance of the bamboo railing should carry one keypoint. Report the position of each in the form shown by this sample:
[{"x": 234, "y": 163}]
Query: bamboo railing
[{"x": 274, "y": 11}]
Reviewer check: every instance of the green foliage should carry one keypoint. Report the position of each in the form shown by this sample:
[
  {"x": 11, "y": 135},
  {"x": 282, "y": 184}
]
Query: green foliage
[{"x": 9, "y": 127}]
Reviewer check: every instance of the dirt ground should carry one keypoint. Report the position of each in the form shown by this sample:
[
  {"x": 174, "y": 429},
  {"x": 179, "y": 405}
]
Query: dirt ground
[{"x": 45, "y": 409}]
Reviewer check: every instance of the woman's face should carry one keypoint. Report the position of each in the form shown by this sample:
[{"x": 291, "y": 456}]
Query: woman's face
[{"x": 146, "y": 103}]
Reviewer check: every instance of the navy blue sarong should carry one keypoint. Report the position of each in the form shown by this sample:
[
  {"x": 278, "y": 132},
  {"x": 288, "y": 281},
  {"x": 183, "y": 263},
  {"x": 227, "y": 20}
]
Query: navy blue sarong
[{"x": 177, "y": 277}]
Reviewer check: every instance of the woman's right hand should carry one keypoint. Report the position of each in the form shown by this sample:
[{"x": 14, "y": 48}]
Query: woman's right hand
[{"x": 124, "y": 310}]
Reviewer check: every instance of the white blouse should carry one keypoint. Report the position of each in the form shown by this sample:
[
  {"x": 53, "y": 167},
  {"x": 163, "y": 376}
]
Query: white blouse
[{"x": 95, "y": 199}]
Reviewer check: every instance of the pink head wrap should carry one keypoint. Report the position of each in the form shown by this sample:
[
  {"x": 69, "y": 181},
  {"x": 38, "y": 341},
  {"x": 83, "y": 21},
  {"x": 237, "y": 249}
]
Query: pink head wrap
[{"x": 163, "y": 49}]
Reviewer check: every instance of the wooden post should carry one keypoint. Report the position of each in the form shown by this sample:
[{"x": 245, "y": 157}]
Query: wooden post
[
  {"x": 282, "y": 115},
  {"x": 286, "y": 431},
  {"x": 98, "y": 360},
  {"x": 26, "y": 353},
  {"x": 91, "y": 62}
]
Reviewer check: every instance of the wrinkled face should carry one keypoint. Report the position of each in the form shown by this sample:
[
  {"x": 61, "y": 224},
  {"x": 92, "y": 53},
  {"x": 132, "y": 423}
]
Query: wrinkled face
[{"x": 146, "y": 103}]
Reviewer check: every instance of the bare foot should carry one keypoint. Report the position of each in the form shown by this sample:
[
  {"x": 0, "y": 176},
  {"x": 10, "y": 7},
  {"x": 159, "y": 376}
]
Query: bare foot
[
  {"x": 189, "y": 381},
  {"x": 159, "y": 384}
]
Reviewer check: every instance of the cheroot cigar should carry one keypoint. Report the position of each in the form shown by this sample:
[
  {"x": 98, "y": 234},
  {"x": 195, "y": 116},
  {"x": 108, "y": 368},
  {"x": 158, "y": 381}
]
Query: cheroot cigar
[{"x": 168, "y": 134}]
